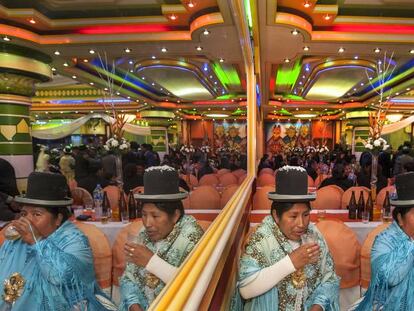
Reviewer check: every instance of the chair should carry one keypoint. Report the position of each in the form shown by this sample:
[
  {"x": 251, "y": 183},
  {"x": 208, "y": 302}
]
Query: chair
[
  {"x": 209, "y": 179},
  {"x": 381, "y": 195},
  {"x": 228, "y": 179},
  {"x": 191, "y": 180},
  {"x": 227, "y": 194},
  {"x": 223, "y": 171},
  {"x": 329, "y": 197},
  {"x": 345, "y": 250},
  {"x": 319, "y": 180},
  {"x": 204, "y": 224},
  {"x": 311, "y": 182},
  {"x": 239, "y": 172},
  {"x": 266, "y": 170},
  {"x": 241, "y": 178},
  {"x": 265, "y": 180},
  {"x": 205, "y": 197},
  {"x": 348, "y": 193},
  {"x": 113, "y": 193},
  {"x": 260, "y": 199},
  {"x": 81, "y": 196},
  {"x": 72, "y": 184},
  {"x": 366, "y": 254},
  {"x": 102, "y": 254}
]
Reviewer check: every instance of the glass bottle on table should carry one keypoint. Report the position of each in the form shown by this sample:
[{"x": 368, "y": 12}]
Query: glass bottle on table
[
  {"x": 106, "y": 209},
  {"x": 361, "y": 205},
  {"x": 369, "y": 207},
  {"x": 352, "y": 207},
  {"x": 123, "y": 208},
  {"x": 386, "y": 208},
  {"x": 132, "y": 206}
]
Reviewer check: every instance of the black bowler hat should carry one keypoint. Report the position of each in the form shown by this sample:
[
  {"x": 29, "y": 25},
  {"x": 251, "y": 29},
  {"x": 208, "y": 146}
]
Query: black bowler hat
[
  {"x": 45, "y": 189},
  {"x": 291, "y": 185},
  {"x": 161, "y": 184},
  {"x": 404, "y": 184}
]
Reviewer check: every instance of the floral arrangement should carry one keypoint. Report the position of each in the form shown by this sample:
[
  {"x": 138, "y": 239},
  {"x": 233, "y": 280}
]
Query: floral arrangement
[
  {"x": 116, "y": 145},
  {"x": 322, "y": 149},
  {"x": 205, "y": 149},
  {"x": 310, "y": 149},
  {"x": 187, "y": 149},
  {"x": 376, "y": 145},
  {"x": 222, "y": 150}
]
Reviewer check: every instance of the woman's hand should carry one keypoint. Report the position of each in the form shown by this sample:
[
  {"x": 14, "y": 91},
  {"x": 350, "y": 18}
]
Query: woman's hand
[
  {"x": 137, "y": 254},
  {"x": 305, "y": 254},
  {"x": 22, "y": 226},
  {"x": 135, "y": 307},
  {"x": 316, "y": 308}
]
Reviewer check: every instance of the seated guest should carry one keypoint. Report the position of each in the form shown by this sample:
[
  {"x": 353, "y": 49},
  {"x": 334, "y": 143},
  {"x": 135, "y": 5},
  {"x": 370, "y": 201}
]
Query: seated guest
[
  {"x": 205, "y": 169},
  {"x": 131, "y": 177},
  {"x": 8, "y": 189},
  {"x": 311, "y": 169},
  {"x": 364, "y": 177},
  {"x": 163, "y": 243},
  {"x": 392, "y": 256},
  {"x": 277, "y": 270},
  {"x": 94, "y": 177},
  {"x": 338, "y": 178},
  {"x": 49, "y": 255}
]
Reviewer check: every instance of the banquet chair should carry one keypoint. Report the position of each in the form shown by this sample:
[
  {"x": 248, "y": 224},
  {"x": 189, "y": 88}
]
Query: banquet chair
[
  {"x": 348, "y": 193},
  {"x": 191, "y": 180},
  {"x": 265, "y": 180},
  {"x": 102, "y": 255},
  {"x": 223, "y": 171},
  {"x": 381, "y": 195},
  {"x": 366, "y": 255},
  {"x": 72, "y": 184},
  {"x": 205, "y": 197},
  {"x": 311, "y": 182},
  {"x": 239, "y": 172},
  {"x": 266, "y": 170},
  {"x": 114, "y": 193},
  {"x": 227, "y": 194},
  {"x": 241, "y": 178},
  {"x": 81, "y": 196},
  {"x": 345, "y": 250},
  {"x": 329, "y": 197},
  {"x": 260, "y": 199},
  {"x": 228, "y": 179},
  {"x": 208, "y": 179},
  {"x": 319, "y": 180}
]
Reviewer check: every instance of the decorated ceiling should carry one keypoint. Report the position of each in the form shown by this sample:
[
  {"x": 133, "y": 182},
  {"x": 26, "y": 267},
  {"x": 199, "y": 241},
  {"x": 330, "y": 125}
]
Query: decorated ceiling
[{"x": 318, "y": 59}]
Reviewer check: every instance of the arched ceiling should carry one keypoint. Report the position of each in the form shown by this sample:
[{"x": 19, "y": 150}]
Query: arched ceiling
[{"x": 313, "y": 57}]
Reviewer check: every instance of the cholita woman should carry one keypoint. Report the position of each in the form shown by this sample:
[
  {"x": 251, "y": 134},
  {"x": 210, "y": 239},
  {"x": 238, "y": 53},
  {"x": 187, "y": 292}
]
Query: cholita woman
[
  {"x": 165, "y": 240},
  {"x": 277, "y": 270}
]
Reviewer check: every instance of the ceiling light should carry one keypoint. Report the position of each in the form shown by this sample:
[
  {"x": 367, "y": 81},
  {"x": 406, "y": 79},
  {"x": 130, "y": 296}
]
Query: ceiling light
[
  {"x": 199, "y": 48},
  {"x": 407, "y": 89},
  {"x": 206, "y": 32},
  {"x": 294, "y": 32},
  {"x": 217, "y": 115},
  {"x": 305, "y": 115},
  {"x": 6, "y": 38},
  {"x": 91, "y": 83},
  {"x": 117, "y": 93},
  {"x": 396, "y": 94},
  {"x": 412, "y": 51},
  {"x": 85, "y": 60},
  {"x": 53, "y": 69},
  {"x": 327, "y": 17},
  {"x": 127, "y": 50},
  {"x": 65, "y": 64},
  {"x": 377, "y": 50},
  {"x": 143, "y": 78},
  {"x": 153, "y": 57},
  {"x": 190, "y": 4},
  {"x": 56, "y": 53},
  {"x": 32, "y": 21},
  {"x": 152, "y": 83},
  {"x": 306, "y": 4},
  {"x": 173, "y": 17},
  {"x": 164, "y": 50},
  {"x": 74, "y": 77},
  {"x": 105, "y": 89},
  {"x": 306, "y": 48},
  {"x": 131, "y": 70},
  {"x": 356, "y": 57},
  {"x": 130, "y": 62},
  {"x": 221, "y": 60},
  {"x": 341, "y": 50},
  {"x": 287, "y": 60}
]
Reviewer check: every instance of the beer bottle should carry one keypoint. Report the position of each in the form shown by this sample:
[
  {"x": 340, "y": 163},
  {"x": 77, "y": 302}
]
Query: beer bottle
[
  {"x": 352, "y": 207},
  {"x": 132, "y": 206},
  {"x": 361, "y": 205},
  {"x": 370, "y": 207},
  {"x": 122, "y": 205},
  {"x": 106, "y": 208},
  {"x": 386, "y": 208}
]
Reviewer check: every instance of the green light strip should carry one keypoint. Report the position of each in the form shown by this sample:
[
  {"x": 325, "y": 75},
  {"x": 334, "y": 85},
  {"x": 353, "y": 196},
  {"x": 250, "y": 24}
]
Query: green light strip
[
  {"x": 286, "y": 77},
  {"x": 227, "y": 75},
  {"x": 248, "y": 13}
]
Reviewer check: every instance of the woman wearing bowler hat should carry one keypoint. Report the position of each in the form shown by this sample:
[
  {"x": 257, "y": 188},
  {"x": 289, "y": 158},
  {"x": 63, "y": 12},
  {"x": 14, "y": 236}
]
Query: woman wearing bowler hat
[
  {"x": 392, "y": 256},
  {"x": 47, "y": 263},
  {"x": 163, "y": 243},
  {"x": 286, "y": 264}
]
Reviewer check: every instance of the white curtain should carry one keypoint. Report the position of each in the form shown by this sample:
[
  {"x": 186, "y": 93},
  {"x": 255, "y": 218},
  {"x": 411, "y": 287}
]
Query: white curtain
[
  {"x": 393, "y": 127},
  {"x": 68, "y": 128}
]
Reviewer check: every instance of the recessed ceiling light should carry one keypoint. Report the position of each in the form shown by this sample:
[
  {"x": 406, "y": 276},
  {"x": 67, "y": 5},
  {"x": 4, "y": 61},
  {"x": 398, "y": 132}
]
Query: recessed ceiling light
[
  {"x": 327, "y": 17},
  {"x": 356, "y": 57},
  {"x": 117, "y": 93},
  {"x": 66, "y": 64},
  {"x": 306, "y": 48},
  {"x": 397, "y": 94},
  {"x": 128, "y": 97},
  {"x": 164, "y": 50},
  {"x": 153, "y": 57},
  {"x": 294, "y": 32},
  {"x": 199, "y": 48},
  {"x": 215, "y": 82},
  {"x": 6, "y": 38},
  {"x": 91, "y": 51},
  {"x": 143, "y": 78},
  {"x": 131, "y": 70},
  {"x": 173, "y": 17},
  {"x": 190, "y": 4},
  {"x": 53, "y": 69},
  {"x": 217, "y": 115},
  {"x": 85, "y": 60},
  {"x": 56, "y": 53},
  {"x": 306, "y": 4},
  {"x": 206, "y": 32},
  {"x": 105, "y": 89},
  {"x": 91, "y": 83},
  {"x": 362, "y": 83},
  {"x": 74, "y": 77},
  {"x": 152, "y": 83},
  {"x": 32, "y": 21},
  {"x": 127, "y": 50},
  {"x": 287, "y": 60},
  {"x": 377, "y": 50},
  {"x": 341, "y": 50},
  {"x": 407, "y": 89},
  {"x": 91, "y": 111},
  {"x": 130, "y": 62},
  {"x": 224, "y": 108},
  {"x": 412, "y": 51},
  {"x": 221, "y": 60}
]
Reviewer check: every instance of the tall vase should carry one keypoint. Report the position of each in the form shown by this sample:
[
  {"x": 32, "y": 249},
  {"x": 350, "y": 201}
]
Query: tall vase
[
  {"x": 118, "y": 170},
  {"x": 374, "y": 177}
]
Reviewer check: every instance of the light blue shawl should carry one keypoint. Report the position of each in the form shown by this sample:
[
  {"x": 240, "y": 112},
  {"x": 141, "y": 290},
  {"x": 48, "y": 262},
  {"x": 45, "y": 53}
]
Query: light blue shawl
[
  {"x": 392, "y": 272},
  {"x": 266, "y": 246},
  {"x": 138, "y": 286},
  {"x": 58, "y": 271}
]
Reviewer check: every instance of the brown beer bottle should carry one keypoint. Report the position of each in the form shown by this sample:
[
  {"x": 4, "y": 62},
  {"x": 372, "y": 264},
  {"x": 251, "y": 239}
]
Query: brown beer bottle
[
  {"x": 361, "y": 205},
  {"x": 352, "y": 207},
  {"x": 106, "y": 208},
  {"x": 123, "y": 208},
  {"x": 386, "y": 207},
  {"x": 132, "y": 206},
  {"x": 370, "y": 207}
]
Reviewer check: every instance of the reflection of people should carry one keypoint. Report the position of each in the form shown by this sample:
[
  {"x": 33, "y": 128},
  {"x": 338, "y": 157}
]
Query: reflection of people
[
  {"x": 304, "y": 139},
  {"x": 166, "y": 239},
  {"x": 290, "y": 138},
  {"x": 219, "y": 136},
  {"x": 275, "y": 144},
  {"x": 392, "y": 256},
  {"x": 67, "y": 164},
  {"x": 53, "y": 256},
  {"x": 8, "y": 189},
  {"x": 234, "y": 138},
  {"x": 277, "y": 271}
]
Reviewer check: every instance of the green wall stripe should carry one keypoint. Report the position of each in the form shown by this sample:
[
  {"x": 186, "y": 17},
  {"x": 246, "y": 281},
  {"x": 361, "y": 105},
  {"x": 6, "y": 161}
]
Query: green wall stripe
[
  {"x": 13, "y": 109},
  {"x": 19, "y": 137},
  {"x": 13, "y": 120},
  {"x": 11, "y": 149}
]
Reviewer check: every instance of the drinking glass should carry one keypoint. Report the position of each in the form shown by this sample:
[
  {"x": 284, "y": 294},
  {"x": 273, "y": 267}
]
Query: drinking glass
[
  {"x": 125, "y": 216},
  {"x": 105, "y": 216},
  {"x": 365, "y": 217},
  {"x": 321, "y": 214},
  {"x": 308, "y": 238},
  {"x": 386, "y": 216}
]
